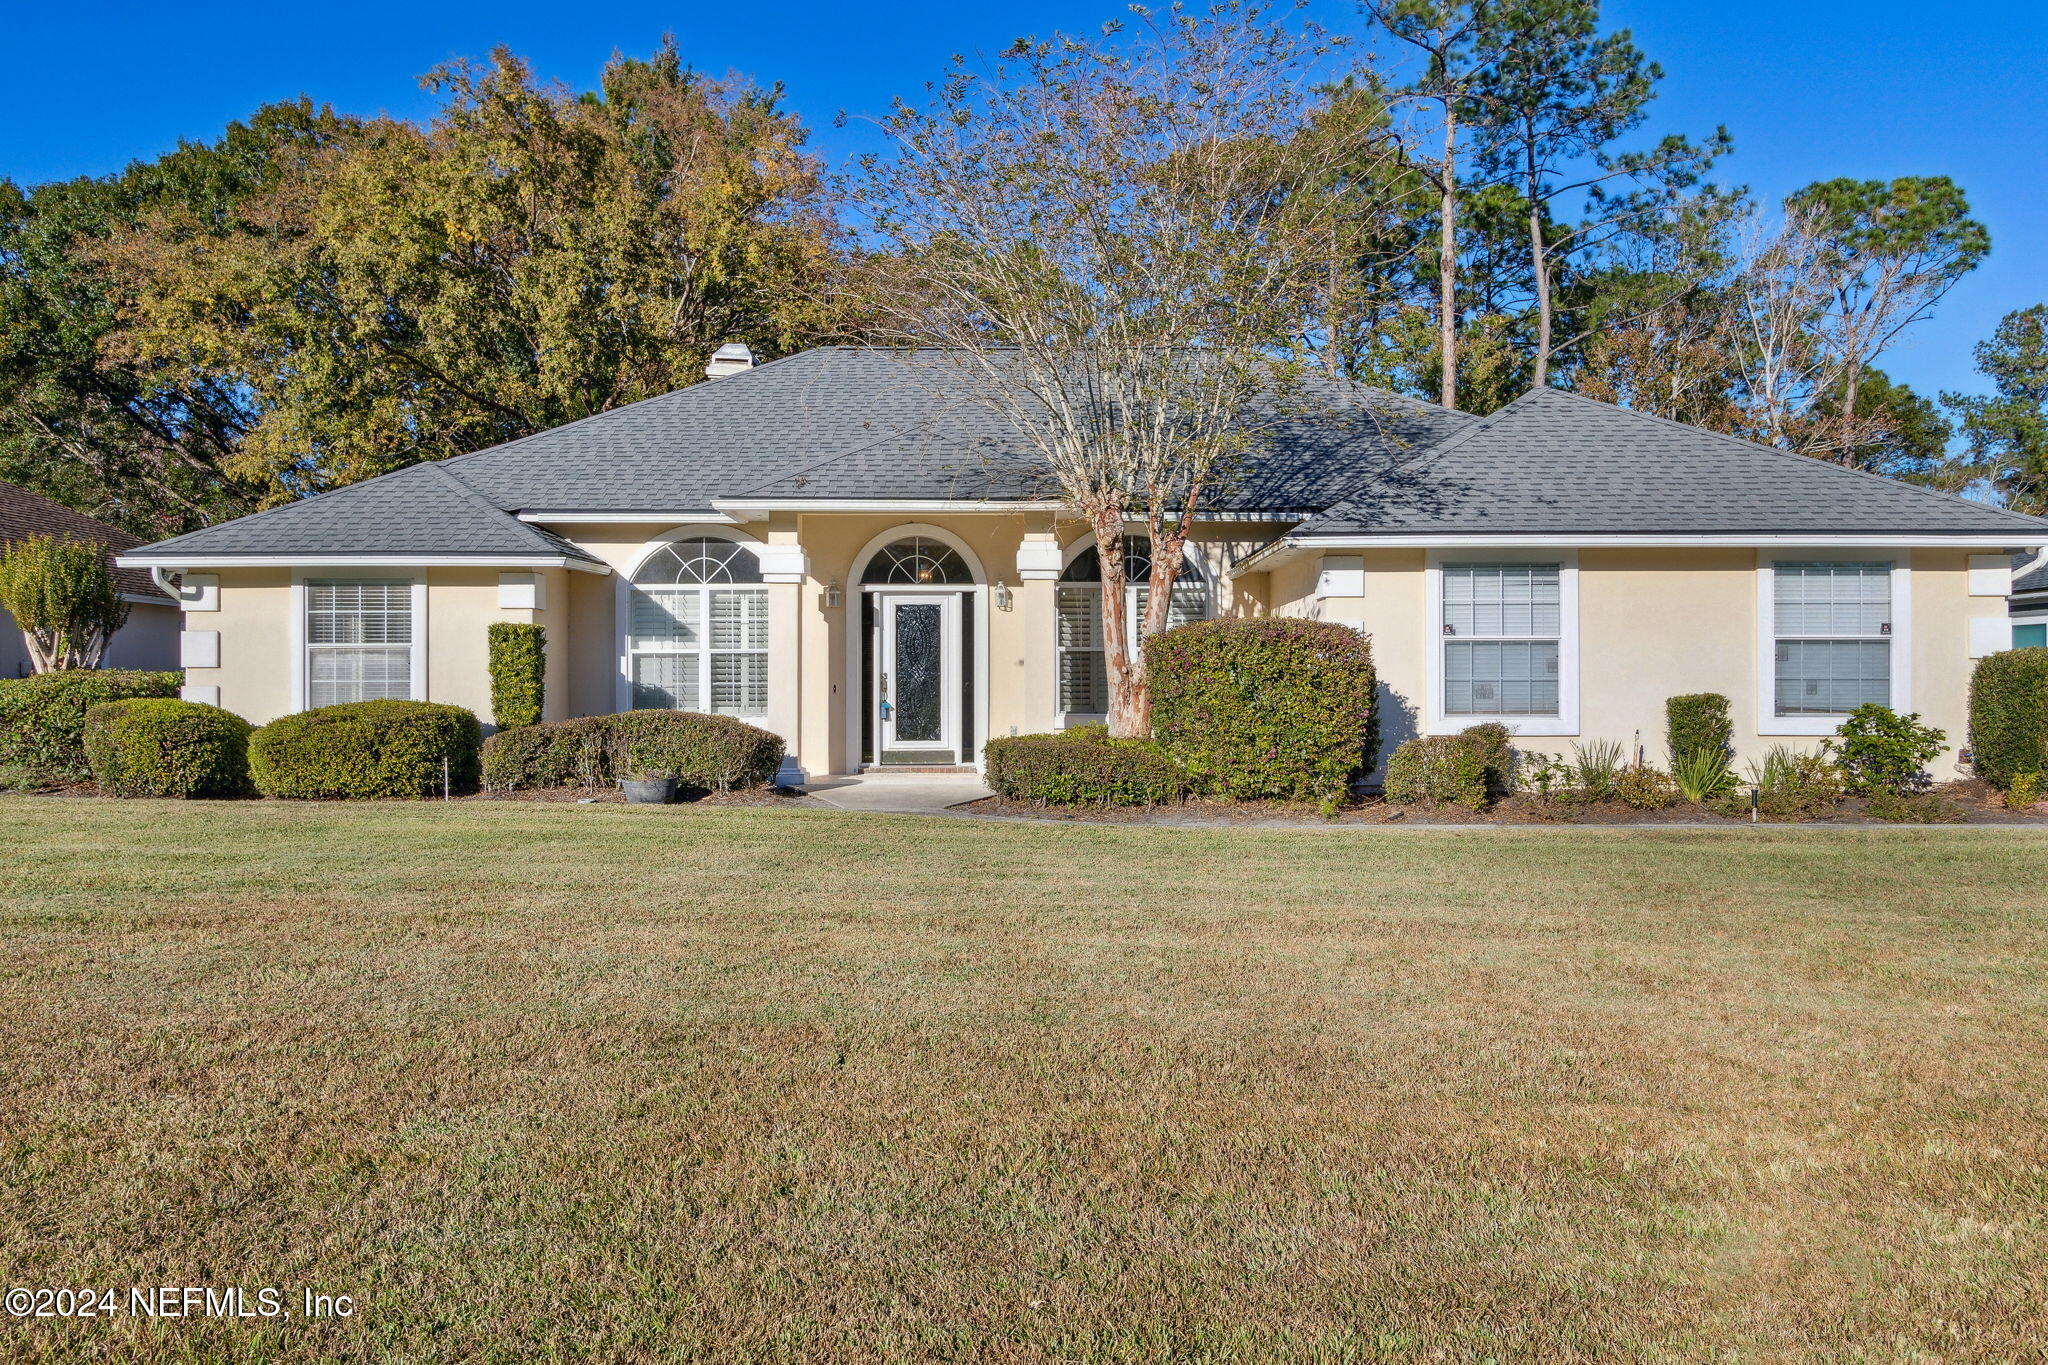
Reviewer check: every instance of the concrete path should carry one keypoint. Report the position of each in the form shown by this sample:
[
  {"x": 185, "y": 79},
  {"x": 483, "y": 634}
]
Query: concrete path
[{"x": 910, "y": 793}]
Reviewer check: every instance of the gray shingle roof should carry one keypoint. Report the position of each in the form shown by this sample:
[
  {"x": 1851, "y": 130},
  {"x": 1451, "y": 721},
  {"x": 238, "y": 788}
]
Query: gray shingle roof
[
  {"x": 1555, "y": 463},
  {"x": 833, "y": 422},
  {"x": 2037, "y": 581},
  {"x": 852, "y": 422},
  {"x": 422, "y": 509}
]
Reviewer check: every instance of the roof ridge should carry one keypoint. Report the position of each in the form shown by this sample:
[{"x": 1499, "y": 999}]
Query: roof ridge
[
  {"x": 1473, "y": 427},
  {"x": 1747, "y": 444},
  {"x": 683, "y": 392},
  {"x": 526, "y": 531}
]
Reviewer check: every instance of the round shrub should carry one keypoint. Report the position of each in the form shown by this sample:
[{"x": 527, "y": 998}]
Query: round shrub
[
  {"x": 1083, "y": 767},
  {"x": 365, "y": 749},
  {"x": 2009, "y": 715},
  {"x": 42, "y": 718},
  {"x": 159, "y": 746},
  {"x": 1446, "y": 770},
  {"x": 705, "y": 752},
  {"x": 1879, "y": 750},
  {"x": 1270, "y": 708},
  {"x": 1645, "y": 788}
]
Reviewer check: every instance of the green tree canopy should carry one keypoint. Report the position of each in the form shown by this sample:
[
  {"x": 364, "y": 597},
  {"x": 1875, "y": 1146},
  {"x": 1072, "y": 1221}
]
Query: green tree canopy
[{"x": 2007, "y": 432}]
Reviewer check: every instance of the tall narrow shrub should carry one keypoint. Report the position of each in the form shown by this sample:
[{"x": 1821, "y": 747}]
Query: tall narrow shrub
[
  {"x": 519, "y": 665},
  {"x": 1698, "y": 723},
  {"x": 2009, "y": 715}
]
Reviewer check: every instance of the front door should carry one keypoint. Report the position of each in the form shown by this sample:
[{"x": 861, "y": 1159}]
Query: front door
[{"x": 917, "y": 682}]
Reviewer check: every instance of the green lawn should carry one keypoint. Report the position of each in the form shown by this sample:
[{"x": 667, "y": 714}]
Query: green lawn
[{"x": 603, "y": 1083}]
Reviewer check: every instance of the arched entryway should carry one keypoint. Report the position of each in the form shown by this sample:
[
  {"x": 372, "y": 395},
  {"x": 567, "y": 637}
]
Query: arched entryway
[{"x": 918, "y": 651}]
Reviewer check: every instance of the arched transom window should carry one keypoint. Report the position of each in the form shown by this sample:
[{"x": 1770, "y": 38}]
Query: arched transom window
[
  {"x": 917, "y": 560},
  {"x": 698, "y": 639},
  {"x": 1084, "y": 675}
]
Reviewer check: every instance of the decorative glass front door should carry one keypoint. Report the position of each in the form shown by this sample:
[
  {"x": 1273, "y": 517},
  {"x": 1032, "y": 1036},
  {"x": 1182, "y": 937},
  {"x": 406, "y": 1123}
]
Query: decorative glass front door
[{"x": 917, "y": 684}]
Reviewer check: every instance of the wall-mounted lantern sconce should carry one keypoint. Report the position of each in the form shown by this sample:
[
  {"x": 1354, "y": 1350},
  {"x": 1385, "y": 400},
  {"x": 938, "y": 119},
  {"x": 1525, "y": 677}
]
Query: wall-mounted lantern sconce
[
  {"x": 832, "y": 594},
  {"x": 1002, "y": 595}
]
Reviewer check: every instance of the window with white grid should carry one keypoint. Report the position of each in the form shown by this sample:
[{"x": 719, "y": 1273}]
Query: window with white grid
[
  {"x": 1502, "y": 627},
  {"x": 359, "y": 640},
  {"x": 1832, "y": 626},
  {"x": 1083, "y": 672},
  {"x": 697, "y": 636}
]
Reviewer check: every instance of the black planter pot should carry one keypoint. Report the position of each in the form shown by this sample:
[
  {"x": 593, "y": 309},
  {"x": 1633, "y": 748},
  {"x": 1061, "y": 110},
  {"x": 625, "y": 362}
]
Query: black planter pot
[{"x": 657, "y": 791}]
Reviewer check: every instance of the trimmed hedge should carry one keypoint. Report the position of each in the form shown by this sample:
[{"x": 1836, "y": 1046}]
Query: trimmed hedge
[
  {"x": 1083, "y": 767},
  {"x": 42, "y": 718},
  {"x": 366, "y": 749},
  {"x": 1449, "y": 770},
  {"x": 706, "y": 752},
  {"x": 519, "y": 665},
  {"x": 1698, "y": 722},
  {"x": 2009, "y": 715},
  {"x": 1271, "y": 708},
  {"x": 159, "y": 746}
]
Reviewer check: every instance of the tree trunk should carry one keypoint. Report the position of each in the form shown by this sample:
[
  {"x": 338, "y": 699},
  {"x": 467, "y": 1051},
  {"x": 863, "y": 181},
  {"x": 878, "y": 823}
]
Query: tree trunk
[
  {"x": 1539, "y": 258},
  {"x": 1129, "y": 708},
  {"x": 1447, "y": 268}
]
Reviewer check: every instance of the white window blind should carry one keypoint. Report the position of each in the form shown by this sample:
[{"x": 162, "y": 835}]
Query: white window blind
[
  {"x": 693, "y": 642},
  {"x": 1832, "y": 623},
  {"x": 1083, "y": 667},
  {"x": 359, "y": 640},
  {"x": 1501, "y": 627}
]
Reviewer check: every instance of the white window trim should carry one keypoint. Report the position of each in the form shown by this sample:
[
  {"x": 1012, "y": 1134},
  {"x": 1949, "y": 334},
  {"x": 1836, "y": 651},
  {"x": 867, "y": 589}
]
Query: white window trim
[
  {"x": 1069, "y": 719},
  {"x": 1566, "y": 721},
  {"x": 300, "y": 577},
  {"x": 622, "y": 614},
  {"x": 1768, "y": 721}
]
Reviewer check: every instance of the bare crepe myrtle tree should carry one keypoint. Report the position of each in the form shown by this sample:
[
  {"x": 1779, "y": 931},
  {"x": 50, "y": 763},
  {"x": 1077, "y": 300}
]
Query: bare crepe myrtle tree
[{"x": 1116, "y": 241}]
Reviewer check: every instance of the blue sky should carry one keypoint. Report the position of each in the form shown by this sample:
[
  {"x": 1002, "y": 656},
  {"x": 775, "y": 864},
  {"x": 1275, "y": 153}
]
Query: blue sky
[{"x": 1809, "y": 88}]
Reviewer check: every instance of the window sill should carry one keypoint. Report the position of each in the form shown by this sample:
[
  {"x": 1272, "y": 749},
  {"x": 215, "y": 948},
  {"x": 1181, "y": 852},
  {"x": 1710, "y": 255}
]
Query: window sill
[
  {"x": 1517, "y": 725},
  {"x": 1800, "y": 725}
]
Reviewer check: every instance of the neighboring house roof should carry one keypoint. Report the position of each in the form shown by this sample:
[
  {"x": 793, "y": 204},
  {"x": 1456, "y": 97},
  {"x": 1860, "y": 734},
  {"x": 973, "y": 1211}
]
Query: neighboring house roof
[
  {"x": 1556, "y": 463},
  {"x": 24, "y": 514},
  {"x": 842, "y": 423},
  {"x": 2034, "y": 582}
]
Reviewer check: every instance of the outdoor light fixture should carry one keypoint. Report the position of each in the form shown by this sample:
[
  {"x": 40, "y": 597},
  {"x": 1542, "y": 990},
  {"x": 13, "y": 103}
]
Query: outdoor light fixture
[
  {"x": 832, "y": 596},
  {"x": 1002, "y": 595}
]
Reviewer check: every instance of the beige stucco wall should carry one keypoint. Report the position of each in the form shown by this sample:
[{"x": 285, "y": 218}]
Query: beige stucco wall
[{"x": 1653, "y": 623}]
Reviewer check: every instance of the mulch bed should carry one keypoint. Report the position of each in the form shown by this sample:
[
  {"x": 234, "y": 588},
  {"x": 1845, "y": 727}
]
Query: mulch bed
[{"x": 1978, "y": 802}]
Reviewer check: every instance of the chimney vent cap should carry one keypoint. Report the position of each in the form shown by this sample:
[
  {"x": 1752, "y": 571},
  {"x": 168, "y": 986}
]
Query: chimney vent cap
[{"x": 730, "y": 358}]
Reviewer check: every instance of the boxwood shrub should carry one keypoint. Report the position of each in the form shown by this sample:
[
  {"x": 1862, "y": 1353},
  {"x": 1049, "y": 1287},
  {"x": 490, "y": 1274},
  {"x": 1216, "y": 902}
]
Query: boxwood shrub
[
  {"x": 519, "y": 665},
  {"x": 1083, "y": 767},
  {"x": 365, "y": 749},
  {"x": 707, "y": 753},
  {"x": 1451, "y": 770},
  {"x": 159, "y": 746},
  {"x": 1270, "y": 708},
  {"x": 2009, "y": 715},
  {"x": 42, "y": 718}
]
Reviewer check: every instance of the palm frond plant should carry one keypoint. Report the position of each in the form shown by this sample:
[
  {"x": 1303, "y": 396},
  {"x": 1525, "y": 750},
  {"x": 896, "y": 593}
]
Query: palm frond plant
[{"x": 1702, "y": 775}]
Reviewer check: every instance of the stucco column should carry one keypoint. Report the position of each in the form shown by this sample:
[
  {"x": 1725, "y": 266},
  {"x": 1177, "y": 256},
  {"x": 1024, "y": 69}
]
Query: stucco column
[
  {"x": 1035, "y": 611},
  {"x": 783, "y": 567}
]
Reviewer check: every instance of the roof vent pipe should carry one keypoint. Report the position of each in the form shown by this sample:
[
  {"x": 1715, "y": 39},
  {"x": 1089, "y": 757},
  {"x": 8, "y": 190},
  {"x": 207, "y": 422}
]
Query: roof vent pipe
[{"x": 730, "y": 358}]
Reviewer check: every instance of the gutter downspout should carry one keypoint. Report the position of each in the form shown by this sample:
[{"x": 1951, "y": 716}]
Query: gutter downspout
[
  {"x": 162, "y": 578},
  {"x": 2040, "y": 558}
]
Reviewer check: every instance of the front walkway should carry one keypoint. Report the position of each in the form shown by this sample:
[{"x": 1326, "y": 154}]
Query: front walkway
[{"x": 916, "y": 793}]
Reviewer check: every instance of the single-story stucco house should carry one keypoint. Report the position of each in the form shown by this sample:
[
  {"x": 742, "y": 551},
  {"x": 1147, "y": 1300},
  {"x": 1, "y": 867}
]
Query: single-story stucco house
[
  {"x": 150, "y": 637},
  {"x": 844, "y": 547}
]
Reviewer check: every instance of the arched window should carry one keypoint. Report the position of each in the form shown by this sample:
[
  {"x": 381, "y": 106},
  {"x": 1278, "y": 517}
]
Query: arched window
[
  {"x": 698, "y": 639},
  {"x": 1084, "y": 673},
  {"x": 917, "y": 560}
]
